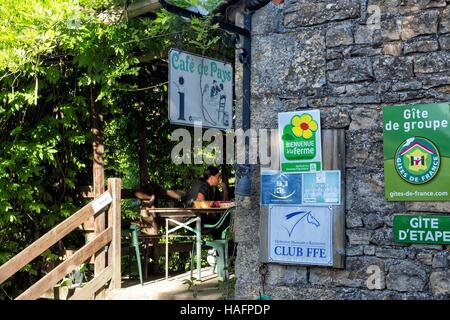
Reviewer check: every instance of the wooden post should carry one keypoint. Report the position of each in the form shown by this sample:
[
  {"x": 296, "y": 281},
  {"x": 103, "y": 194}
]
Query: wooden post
[
  {"x": 333, "y": 158},
  {"x": 114, "y": 252},
  {"x": 98, "y": 181},
  {"x": 97, "y": 166}
]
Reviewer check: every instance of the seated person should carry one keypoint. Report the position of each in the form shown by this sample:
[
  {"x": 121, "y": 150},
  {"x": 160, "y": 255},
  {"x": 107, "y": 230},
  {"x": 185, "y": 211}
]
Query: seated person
[{"x": 205, "y": 188}]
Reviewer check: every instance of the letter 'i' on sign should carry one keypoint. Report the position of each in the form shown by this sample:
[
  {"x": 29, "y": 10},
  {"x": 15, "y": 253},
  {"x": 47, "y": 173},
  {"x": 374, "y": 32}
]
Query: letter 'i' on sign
[
  {"x": 417, "y": 152},
  {"x": 200, "y": 91},
  {"x": 300, "y": 141}
]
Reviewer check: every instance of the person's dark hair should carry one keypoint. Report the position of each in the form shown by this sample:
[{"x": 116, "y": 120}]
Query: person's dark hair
[{"x": 210, "y": 171}]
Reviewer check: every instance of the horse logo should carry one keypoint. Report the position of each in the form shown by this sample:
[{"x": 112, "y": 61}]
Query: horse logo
[{"x": 309, "y": 218}]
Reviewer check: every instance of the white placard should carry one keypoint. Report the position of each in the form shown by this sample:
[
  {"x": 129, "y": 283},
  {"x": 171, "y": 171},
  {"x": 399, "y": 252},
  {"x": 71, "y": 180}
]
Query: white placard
[
  {"x": 101, "y": 202},
  {"x": 300, "y": 235},
  {"x": 200, "y": 90}
]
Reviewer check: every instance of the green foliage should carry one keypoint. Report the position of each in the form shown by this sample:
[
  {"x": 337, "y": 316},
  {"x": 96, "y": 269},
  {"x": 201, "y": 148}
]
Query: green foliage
[{"x": 57, "y": 58}]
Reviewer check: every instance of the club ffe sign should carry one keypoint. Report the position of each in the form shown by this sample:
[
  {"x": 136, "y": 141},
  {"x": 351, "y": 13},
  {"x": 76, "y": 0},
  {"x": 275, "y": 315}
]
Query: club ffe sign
[{"x": 417, "y": 152}]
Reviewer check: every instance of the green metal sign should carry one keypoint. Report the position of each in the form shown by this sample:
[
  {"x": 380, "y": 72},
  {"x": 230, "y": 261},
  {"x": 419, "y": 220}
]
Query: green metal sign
[
  {"x": 417, "y": 152},
  {"x": 422, "y": 229}
]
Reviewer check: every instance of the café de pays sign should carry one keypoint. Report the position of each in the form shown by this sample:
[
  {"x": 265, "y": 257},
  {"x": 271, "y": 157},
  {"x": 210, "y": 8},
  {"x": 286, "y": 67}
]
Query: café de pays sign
[{"x": 200, "y": 90}]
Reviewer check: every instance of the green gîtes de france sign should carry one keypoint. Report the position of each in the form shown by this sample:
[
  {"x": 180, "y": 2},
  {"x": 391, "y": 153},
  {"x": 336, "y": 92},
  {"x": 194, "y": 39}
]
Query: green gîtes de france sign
[
  {"x": 422, "y": 229},
  {"x": 300, "y": 141},
  {"x": 416, "y": 141}
]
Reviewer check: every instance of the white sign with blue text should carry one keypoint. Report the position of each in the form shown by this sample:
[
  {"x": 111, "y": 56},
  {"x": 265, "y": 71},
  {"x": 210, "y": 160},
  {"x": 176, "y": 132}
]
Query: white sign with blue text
[
  {"x": 280, "y": 188},
  {"x": 200, "y": 90},
  {"x": 300, "y": 235}
]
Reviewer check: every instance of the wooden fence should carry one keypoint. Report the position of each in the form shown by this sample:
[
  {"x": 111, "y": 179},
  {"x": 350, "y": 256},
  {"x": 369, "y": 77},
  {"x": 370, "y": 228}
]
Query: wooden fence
[{"x": 105, "y": 247}]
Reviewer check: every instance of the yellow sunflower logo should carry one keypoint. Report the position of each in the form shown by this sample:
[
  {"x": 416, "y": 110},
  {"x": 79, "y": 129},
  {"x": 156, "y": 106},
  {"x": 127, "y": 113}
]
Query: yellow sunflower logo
[{"x": 303, "y": 126}]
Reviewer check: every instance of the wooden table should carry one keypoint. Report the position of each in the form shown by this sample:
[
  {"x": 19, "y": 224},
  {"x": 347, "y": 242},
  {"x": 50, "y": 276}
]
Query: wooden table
[{"x": 195, "y": 214}]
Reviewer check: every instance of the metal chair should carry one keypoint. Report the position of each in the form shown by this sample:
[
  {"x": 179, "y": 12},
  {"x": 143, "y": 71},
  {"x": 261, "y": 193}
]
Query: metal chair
[
  {"x": 220, "y": 245},
  {"x": 131, "y": 243}
]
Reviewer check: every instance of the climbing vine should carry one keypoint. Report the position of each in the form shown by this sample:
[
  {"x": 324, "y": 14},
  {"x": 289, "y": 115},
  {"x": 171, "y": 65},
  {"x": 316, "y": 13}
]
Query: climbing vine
[{"x": 57, "y": 58}]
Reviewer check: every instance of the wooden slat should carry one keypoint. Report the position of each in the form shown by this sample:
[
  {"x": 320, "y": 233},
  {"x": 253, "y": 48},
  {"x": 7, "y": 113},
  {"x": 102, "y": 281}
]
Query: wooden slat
[
  {"x": 44, "y": 242},
  {"x": 88, "y": 291},
  {"x": 333, "y": 158},
  {"x": 114, "y": 252},
  {"x": 52, "y": 278},
  {"x": 142, "y": 7}
]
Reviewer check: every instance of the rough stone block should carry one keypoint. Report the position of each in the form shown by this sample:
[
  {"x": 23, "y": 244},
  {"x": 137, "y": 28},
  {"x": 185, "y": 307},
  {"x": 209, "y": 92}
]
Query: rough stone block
[
  {"x": 304, "y": 13},
  {"x": 390, "y": 253},
  {"x": 247, "y": 263},
  {"x": 296, "y": 276},
  {"x": 393, "y": 49},
  {"x": 428, "y": 206},
  {"x": 359, "y": 236},
  {"x": 425, "y": 258},
  {"x": 365, "y": 118},
  {"x": 421, "y": 45},
  {"x": 268, "y": 19},
  {"x": 388, "y": 68},
  {"x": 391, "y": 29},
  {"x": 353, "y": 220},
  {"x": 341, "y": 35},
  {"x": 364, "y": 51},
  {"x": 445, "y": 42},
  {"x": 407, "y": 86},
  {"x": 352, "y": 70},
  {"x": 420, "y": 24},
  {"x": 440, "y": 282},
  {"x": 440, "y": 260},
  {"x": 382, "y": 236},
  {"x": 369, "y": 250},
  {"x": 355, "y": 275},
  {"x": 432, "y": 63},
  {"x": 288, "y": 63},
  {"x": 444, "y": 26},
  {"x": 406, "y": 276},
  {"x": 334, "y": 118},
  {"x": 373, "y": 221},
  {"x": 354, "y": 251}
]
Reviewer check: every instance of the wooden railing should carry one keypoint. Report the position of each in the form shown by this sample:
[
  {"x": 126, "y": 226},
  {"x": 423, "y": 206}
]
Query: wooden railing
[{"x": 105, "y": 248}]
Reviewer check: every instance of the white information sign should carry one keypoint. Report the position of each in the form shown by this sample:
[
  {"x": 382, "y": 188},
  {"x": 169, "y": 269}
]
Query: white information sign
[
  {"x": 300, "y": 141},
  {"x": 200, "y": 90},
  {"x": 300, "y": 235}
]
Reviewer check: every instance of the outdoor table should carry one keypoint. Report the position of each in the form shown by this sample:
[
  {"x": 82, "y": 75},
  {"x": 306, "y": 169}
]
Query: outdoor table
[{"x": 170, "y": 214}]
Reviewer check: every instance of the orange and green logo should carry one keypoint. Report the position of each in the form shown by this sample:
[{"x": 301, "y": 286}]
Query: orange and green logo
[
  {"x": 417, "y": 160},
  {"x": 299, "y": 138}
]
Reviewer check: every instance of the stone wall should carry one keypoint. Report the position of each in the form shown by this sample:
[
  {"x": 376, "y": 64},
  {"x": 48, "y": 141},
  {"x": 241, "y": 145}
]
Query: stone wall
[{"x": 323, "y": 54}]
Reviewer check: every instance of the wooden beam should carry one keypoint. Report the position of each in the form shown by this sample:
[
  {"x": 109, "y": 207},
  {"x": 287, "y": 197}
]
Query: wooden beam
[
  {"x": 52, "y": 278},
  {"x": 88, "y": 291},
  {"x": 333, "y": 158},
  {"x": 114, "y": 221},
  {"x": 88, "y": 192},
  {"x": 142, "y": 7}
]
